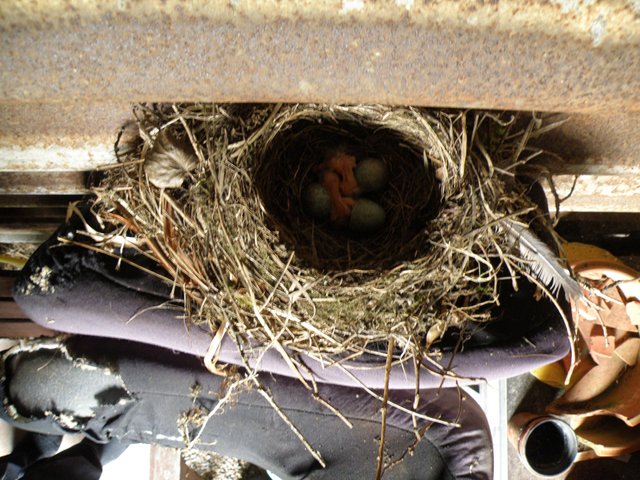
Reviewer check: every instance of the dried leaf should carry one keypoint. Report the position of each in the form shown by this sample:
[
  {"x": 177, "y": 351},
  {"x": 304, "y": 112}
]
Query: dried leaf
[
  {"x": 169, "y": 162},
  {"x": 609, "y": 437},
  {"x": 628, "y": 351},
  {"x": 595, "y": 382}
]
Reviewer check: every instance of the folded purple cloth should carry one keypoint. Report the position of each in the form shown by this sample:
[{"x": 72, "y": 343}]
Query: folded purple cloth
[{"x": 75, "y": 290}]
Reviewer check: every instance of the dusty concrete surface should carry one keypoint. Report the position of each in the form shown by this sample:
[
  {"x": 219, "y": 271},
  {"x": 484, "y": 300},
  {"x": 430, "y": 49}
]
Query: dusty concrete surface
[
  {"x": 63, "y": 136},
  {"x": 69, "y": 70},
  {"x": 34, "y": 183},
  {"x": 69, "y": 123},
  {"x": 75, "y": 137},
  {"x": 597, "y": 143},
  {"x": 556, "y": 55}
]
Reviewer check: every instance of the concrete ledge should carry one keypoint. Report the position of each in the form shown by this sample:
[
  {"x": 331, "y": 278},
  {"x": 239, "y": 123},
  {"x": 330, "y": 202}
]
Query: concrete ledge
[
  {"x": 48, "y": 148},
  {"x": 597, "y": 193}
]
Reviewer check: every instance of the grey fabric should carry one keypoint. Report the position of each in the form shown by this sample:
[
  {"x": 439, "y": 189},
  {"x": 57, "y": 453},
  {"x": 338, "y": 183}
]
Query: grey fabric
[{"x": 95, "y": 386}]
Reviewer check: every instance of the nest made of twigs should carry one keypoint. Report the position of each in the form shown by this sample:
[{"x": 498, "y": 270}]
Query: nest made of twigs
[{"x": 234, "y": 236}]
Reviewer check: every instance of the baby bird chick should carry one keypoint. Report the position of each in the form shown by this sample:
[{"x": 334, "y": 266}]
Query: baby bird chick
[
  {"x": 344, "y": 165},
  {"x": 337, "y": 176},
  {"x": 340, "y": 205}
]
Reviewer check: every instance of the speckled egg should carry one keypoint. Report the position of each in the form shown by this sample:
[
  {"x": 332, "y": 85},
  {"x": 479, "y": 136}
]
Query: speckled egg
[
  {"x": 372, "y": 175},
  {"x": 317, "y": 202},
  {"x": 366, "y": 217}
]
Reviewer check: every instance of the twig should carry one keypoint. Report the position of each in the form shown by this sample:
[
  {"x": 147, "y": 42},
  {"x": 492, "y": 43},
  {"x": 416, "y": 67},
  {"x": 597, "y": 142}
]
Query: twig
[
  {"x": 394, "y": 405},
  {"x": 162, "y": 306},
  {"x": 293, "y": 428},
  {"x": 549, "y": 295},
  {"x": 385, "y": 399},
  {"x": 113, "y": 255},
  {"x": 215, "y": 409},
  {"x": 279, "y": 411}
]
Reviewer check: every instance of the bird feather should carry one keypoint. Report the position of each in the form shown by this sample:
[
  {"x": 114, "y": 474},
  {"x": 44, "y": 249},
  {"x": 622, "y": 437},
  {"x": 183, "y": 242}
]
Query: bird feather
[{"x": 544, "y": 263}]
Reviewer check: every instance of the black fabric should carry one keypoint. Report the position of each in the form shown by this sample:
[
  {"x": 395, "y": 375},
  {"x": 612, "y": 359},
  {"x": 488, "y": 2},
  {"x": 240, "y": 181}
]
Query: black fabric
[
  {"x": 80, "y": 462},
  {"x": 76, "y": 290},
  {"x": 30, "y": 449},
  {"x": 162, "y": 385}
]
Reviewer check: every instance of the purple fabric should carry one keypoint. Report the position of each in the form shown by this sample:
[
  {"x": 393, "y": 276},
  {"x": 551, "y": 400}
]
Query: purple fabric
[{"x": 85, "y": 293}]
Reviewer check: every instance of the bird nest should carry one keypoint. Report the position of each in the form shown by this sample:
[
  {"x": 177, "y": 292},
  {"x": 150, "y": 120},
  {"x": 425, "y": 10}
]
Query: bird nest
[
  {"x": 213, "y": 193},
  {"x": 216, "y": 196}
]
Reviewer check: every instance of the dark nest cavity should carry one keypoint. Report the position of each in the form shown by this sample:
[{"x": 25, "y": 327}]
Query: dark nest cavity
[{"x": 411, "y": 199}]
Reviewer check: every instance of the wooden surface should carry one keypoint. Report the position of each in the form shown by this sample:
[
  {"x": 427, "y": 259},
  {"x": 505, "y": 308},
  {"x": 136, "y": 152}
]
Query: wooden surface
[
  {"x": 167, "y": 464},
  {"x": 6, "y": 283},
  {"x": 13, "y": 321}
]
